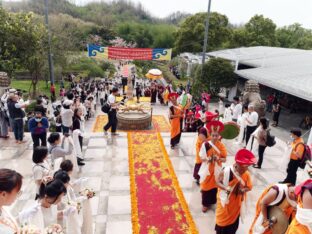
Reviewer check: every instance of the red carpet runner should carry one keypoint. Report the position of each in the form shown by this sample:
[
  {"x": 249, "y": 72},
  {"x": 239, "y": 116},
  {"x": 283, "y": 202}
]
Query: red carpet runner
[{"x": 158, "y": 204}]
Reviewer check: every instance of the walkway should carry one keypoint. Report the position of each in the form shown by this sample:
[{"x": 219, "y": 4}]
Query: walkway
[{"x": 108, "y": 173}]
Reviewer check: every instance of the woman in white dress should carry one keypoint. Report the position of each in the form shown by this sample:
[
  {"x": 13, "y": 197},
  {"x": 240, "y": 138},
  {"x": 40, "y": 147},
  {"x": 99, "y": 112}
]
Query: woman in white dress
[
  {"x": 74, "y": 221},
  {"x": 10, "y": 190},
  {"x": 44, "y": 212},
  {"x": 227, "y": 116},
  {"x": 73, "y": 193},
  {"x": 41, "y": 167}
]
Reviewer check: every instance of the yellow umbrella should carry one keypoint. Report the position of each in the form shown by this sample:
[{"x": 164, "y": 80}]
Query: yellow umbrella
[{"x": 154, "y": 74}]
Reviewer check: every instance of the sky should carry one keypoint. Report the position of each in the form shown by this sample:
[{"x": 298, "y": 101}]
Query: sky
[{"x": 282, "y": 12}]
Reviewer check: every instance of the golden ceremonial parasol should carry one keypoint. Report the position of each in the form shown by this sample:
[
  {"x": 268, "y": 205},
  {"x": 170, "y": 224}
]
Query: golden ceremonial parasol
[{"x": 154, "y": 74}]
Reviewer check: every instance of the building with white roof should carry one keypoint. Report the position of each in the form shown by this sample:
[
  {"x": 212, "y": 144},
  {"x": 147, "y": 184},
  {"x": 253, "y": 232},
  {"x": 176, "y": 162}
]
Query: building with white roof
[{"x": 286, "y": 70}]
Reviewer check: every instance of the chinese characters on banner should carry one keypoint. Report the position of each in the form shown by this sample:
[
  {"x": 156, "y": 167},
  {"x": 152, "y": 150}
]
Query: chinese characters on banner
[{"x": 100, "y": 52}]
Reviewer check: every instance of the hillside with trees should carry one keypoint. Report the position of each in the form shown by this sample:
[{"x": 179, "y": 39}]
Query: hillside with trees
[{"x": 23, "y": 36}]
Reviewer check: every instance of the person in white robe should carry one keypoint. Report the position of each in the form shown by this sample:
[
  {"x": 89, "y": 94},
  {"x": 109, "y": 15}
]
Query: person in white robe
[
  {"x": 44, "y": 213},
  {"x": 10, "y": 190}
]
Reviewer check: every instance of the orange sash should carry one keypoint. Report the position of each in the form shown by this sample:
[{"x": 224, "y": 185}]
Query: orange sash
[
  {"x": 175, "y": 122},
  {"x": 228, "y": 214}
]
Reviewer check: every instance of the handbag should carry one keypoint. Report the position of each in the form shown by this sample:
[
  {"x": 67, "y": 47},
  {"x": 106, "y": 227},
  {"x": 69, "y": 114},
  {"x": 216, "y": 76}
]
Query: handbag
[
  {"x": 270, "y": 140},
  {"x": 106, "y": 108}
]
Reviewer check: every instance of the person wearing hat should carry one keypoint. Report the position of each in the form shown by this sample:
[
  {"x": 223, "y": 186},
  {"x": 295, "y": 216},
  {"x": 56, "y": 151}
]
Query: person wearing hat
[
  {"x": 213, "y": 153},
  {"x": 297, "y": 145},
  {"x": 176, "y": 118},
  {"x": 276, "y": 195},
  {"x": 302, "y": 223},
  {"x": 38, "y": 127},
  {"x": 67, "y": 116},
  {"x": 112, "y": 113},
  {"x": 233, "y": 183},
  {"x": 17, "y": 116}
]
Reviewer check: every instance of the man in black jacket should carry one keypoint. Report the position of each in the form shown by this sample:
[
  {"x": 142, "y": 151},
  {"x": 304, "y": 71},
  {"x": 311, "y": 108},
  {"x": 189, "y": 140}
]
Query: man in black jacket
[{"x": 16, "y": 115}]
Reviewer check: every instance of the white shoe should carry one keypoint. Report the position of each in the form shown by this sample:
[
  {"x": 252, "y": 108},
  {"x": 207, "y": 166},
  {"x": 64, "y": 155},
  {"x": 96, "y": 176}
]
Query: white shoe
[{"x": 105, "y": 133}]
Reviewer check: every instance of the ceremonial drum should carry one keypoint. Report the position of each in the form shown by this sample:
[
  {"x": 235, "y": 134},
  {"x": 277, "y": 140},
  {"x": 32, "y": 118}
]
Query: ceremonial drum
[
  {"x": 279, "y": 220},
  {"x": 230, "y": 131},
  {"x": 134, "y": 121}
]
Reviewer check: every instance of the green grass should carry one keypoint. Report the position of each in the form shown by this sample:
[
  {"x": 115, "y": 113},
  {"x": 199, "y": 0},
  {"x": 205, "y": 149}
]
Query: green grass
[{"x": 42, "y": 88}]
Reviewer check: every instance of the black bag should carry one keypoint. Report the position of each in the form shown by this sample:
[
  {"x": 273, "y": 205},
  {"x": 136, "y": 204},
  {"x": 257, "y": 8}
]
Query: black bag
[
  {"x": 106, "y": 108},
  {"x": 270, "y": 140}
]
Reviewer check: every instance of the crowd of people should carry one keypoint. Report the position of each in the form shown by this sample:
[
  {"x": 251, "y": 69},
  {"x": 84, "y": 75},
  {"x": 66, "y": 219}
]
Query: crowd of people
[
  {"x": 226, "y": 187},
  {"x": 57, "y": 132},
  {"x": 57, "y": 154}
]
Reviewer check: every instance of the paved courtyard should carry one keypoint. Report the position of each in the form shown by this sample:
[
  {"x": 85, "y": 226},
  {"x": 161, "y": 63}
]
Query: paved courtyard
[{"x": 108, "y": 173}]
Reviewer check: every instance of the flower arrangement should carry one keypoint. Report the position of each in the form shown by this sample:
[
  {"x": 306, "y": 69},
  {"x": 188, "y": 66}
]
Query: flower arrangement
[
  {"x": 54, "y": 229},
  {"x": 89, "y": 193},
  {"x": 75, "y": 204},
  {"x": 30, "y": 229}
]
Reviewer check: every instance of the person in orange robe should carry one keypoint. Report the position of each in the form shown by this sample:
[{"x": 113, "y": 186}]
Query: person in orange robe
[
  {"x": 175, "y": 116},
  {"x": 202, "y": 137},
  {"x": 302, "y": 223},
  {"x": 281, "y": 195},
  {"x": 213, "y": 154},
  {"x": 233, "y": 184}
]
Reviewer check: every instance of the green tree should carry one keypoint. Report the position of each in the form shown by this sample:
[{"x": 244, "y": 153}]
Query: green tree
[
  {"x": 33, "y": 43},
  {"x": 239, "y": 38},
  {"x": 190, "y": 35},
  {"x": 163, "y": 36},
  {"x": 260, "y": 31},
  {"x": 294, "y": 36},
  {"x": 216, "y": 74},
  {"x": 8, "y": 47},
  {"x": 24, "y": 40},
  {"x": 143, "y": 37}
]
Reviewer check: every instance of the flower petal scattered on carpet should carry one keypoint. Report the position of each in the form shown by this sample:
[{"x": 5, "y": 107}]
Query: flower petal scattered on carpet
[{"x": 158, "y": 204}]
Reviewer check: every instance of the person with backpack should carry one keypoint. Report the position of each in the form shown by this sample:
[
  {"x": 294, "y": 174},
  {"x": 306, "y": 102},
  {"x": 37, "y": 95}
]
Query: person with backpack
[
  {"x": 112, "y": 113},
  {"x": 262, "y": 138},
  {"x": 296, "y": 155}
]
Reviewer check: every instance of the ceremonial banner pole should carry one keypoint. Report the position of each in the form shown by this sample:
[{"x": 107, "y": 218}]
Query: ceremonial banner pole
[{"x": 51, "y": 69}]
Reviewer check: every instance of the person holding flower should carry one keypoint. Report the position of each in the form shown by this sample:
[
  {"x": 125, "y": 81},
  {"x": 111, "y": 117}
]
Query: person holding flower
[{"x": 44, "y": 212}]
